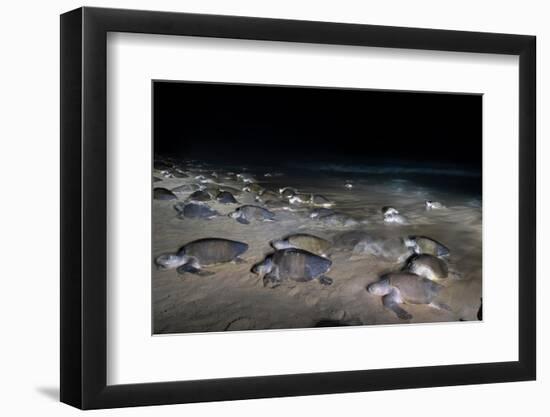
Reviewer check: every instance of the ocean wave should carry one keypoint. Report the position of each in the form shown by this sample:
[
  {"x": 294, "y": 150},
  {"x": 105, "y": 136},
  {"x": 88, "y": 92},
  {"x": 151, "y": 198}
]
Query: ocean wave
[{"x": 393, "y": 170}]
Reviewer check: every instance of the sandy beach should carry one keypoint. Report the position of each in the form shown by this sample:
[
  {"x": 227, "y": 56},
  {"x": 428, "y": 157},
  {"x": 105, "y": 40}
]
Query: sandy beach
[{"x": 235, "y": 299}]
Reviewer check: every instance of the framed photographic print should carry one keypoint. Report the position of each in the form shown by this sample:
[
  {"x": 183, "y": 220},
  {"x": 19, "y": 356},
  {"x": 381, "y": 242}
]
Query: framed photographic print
[{"x": 257, "y": 208}]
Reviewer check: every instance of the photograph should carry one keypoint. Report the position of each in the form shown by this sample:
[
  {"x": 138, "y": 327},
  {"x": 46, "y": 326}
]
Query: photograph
[
  {"x": 286, "y": 204},
  {"x": 296, "y": 207}
]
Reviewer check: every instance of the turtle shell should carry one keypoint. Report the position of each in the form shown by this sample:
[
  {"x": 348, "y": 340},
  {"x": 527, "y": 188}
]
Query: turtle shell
[
  {"x": 212, "y": 251},
  {"x": 413, "y": 288},
  {"x": 300, "y": 265},
  {"x": 429, "y": 266}
]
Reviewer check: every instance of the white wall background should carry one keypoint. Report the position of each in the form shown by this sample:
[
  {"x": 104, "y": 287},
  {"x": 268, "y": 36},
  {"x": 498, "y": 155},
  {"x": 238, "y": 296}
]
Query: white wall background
[{"x": 29, "y": 225}]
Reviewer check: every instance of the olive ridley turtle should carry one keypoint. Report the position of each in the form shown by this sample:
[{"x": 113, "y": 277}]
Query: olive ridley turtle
[
  {"x": 310, "y": 243},
  {"x": 195, "y": 211},
  {"x": 200, "y": 195},
  {"x": 425, "y": 245},
  {"x": 246, "y": 213},
  {"x": 433, "y": 205},
  {"x": 428, "y": 266},
  {"x": 163, "y": 194},
  {"x": 405, "y": 288},
  {"x": 203, "y": 252},
  {"x": 293, "y": 264},
  {"x": 225, "y": 197}
]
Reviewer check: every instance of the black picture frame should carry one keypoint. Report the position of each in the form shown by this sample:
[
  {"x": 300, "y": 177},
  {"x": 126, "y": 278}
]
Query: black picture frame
[{"x": 84, "y": 207}]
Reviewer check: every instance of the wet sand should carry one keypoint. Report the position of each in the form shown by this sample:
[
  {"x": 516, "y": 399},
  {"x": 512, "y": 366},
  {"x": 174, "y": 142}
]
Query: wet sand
[{"x": 235, "y": 299}]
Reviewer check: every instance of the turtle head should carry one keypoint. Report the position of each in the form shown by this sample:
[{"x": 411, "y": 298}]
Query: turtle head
[
  {"x": 287, "y": 192},
  {"x": 410, "y": 242},
  {"x": 389, "y": 211},
  {"x": 280, "y": 244},
  {"x": 263, "y": 267},
  {"x": 170, "y": 261},
  {"x": 270, "y": 281},
  {"x": 380, "y": 288},
  {"x": 235, "y": 214}
]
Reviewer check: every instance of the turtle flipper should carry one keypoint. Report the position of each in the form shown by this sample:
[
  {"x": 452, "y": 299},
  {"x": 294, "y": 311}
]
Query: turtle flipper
[
  {"x": 192, "y": 269},
  {"x": 188, "y": 268},
  {"x": 271, "y": 280},
  {"x": 440, "y": 306},
  {"x": 323, "y": 280},
  {"x": 242, "y": 220},
  {"x": 391, "y": 303}
]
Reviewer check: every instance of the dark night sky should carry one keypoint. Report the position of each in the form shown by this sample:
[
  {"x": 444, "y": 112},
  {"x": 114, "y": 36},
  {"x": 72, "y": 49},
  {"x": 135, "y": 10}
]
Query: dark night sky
[{"x": 235, "y": 123}]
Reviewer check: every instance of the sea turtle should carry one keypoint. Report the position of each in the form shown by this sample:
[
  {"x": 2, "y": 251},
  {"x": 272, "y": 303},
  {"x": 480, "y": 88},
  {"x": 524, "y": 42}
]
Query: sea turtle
[
  {"x": 300, "y": 199},
  {"x": 203, "y": 252},
  {"x": 232, "y": 190},
  {"x": 276, "y": 205},
  {"x": 210, "y": 187},
  {"x": 346, "y": 241},
  {"x": 246, "y": 178},
  {"x": 185, "y": 188},
  {"x": 425, "y": 245},
  {"x": 253, "y": 188},
  {"x": 195, "y": 211},
  {"x": 310, "y": 243},
  {"x": 200, "y": 195},
  {"x": 267, "y": 195},
  {"x": 246, "y": 213},
  {"x": 293, "y": 264},
  {"x": 166, "y": 174},
  {"x": 406, "y": 288},
  {"x": 433, "y": 205},
  {"x": 428, "y": 266},
  {"x": 391, "y": 249},
  {"x": 225, "y": 197},
  {"x": 287, "y": 192},
  {"x": 318, "y": 213},
  {"x": 338, "y": 219},
  {"x": 395, "y": 218},
  {"x": 163, "y": 194},
  {"x": 178, "y": 173},
  {"x": 387, "y": 210},
  {"x": 320, "y": 201}
]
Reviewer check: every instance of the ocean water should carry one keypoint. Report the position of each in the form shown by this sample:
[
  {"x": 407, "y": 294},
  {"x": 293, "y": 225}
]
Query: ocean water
[{"x": 233, "y": 298}]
